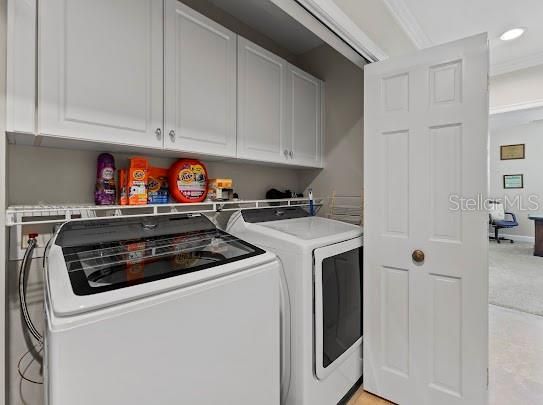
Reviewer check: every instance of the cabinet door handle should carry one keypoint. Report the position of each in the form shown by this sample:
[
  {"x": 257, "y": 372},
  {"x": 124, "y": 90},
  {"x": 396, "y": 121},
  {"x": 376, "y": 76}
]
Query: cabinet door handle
[
  {"x": 158, "y": 132},
  {"x": 291, "y": 154},
  {"x": 172, "y": 135}
]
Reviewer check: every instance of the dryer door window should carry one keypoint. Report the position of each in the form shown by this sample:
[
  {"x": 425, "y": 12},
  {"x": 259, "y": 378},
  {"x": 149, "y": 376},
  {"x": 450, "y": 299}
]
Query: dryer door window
[{"x": 338, "y": 304}]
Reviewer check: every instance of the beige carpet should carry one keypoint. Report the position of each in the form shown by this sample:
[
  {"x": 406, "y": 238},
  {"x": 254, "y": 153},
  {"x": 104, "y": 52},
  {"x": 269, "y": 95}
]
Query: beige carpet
[{"x": 516, "y": 277}]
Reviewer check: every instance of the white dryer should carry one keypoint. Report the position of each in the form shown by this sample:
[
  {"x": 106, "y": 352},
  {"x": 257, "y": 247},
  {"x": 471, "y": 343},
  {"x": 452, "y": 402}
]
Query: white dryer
[
  {"x": 166, "y": 310},
  {"x": 321, "y": 345}
]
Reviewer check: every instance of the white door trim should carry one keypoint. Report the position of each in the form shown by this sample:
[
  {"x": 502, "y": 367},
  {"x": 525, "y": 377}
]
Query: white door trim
[
  {"x": 3, "y": 230},
  {"x": 326, "y": 20},
  {"x": 409, "y": 23}
]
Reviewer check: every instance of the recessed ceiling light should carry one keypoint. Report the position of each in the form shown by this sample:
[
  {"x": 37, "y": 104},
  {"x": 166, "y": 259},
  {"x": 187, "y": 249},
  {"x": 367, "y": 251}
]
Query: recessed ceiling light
[{"x": 512, "y": 34}]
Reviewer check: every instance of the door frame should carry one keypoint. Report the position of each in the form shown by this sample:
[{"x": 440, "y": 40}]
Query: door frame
[
  {"x": 326, "y": 20},
  {"x": 3, "y": 198}
]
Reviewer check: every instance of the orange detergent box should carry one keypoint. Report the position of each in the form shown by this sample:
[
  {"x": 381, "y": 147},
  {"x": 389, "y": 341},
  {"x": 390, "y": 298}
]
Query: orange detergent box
[
  {"x": 157, "y": 186},
  {"x": 220, "y": 183},
  {"x": 138, "y": 175},
  {"x": 220, "y": 189},
  {"x": 123, "y": 187}
]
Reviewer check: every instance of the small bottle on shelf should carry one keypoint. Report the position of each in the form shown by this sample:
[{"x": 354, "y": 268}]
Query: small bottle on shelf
[{"x": 105, "y": 192}]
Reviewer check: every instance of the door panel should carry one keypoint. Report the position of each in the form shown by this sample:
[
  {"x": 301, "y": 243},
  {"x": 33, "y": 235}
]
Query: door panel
[
  {"x": 396, "y": 163},
  {"x": 200, "y": 77},
  {"x": 425, "y": 323},
  {"x": 445, "y": 179},
  {"x": 395, "y": 319},
  {"x": 262, "y": 114},
  {"x": 446, "y": 347},
  {"x": 100, "y": 71}
]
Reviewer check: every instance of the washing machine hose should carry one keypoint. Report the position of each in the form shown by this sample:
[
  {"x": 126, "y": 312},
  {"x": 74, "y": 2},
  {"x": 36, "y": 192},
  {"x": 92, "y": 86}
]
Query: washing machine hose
[{"x": 23, "y": 280}]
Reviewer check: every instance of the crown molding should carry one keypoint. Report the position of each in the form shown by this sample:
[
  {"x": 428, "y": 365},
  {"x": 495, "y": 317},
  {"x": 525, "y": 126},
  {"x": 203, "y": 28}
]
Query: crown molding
[
  {"x": 409, "y": 23},
  {"x": 403, "y": 15},
  {"x": 523, "y": 62},
  {"x": 528, "y": 105}
]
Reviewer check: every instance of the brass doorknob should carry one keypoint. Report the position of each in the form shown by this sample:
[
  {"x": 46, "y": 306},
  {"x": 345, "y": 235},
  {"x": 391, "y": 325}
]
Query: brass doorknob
[{"x": 418, "y": 256}]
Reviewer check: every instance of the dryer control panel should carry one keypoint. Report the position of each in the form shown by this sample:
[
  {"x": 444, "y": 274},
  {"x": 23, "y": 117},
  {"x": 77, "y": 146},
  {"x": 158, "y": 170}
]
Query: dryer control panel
[{"x": 273, "y": 214}]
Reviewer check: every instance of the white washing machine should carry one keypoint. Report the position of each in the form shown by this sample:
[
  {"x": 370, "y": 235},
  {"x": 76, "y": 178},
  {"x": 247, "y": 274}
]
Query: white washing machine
[
  {"x": 321, "y": 345},
  {"x": 167, "y": 310}
]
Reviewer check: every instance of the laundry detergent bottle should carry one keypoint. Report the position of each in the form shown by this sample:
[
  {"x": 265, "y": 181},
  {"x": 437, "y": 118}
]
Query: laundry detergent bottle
[{"x": 105, "y": 193}]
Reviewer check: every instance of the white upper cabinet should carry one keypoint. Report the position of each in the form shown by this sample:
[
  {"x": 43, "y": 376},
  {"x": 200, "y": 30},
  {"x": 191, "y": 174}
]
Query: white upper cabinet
[
  {"x": 200, "y": 83},
  {"x": 262, "y": 111},
  {"x": 21, "y": 66},
  {"x": 100, "y": 72},
  {"x": 280, "y": 109},
  {"x": 155, "y": 74},
  {"x": 305, "y": 103}
]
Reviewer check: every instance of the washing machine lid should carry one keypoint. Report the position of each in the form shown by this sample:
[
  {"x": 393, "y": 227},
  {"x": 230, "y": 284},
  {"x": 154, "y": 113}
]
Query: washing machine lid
[{"x": 104, "y": 256}]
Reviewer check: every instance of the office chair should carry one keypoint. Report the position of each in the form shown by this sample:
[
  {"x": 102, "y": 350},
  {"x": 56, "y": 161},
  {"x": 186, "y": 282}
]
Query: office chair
[{"x": 498, "y": 220}]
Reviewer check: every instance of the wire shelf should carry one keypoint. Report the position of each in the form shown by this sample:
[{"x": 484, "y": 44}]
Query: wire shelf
[
  {"x": 54, "y": 214},
  {"x": 347, "y": 208}
]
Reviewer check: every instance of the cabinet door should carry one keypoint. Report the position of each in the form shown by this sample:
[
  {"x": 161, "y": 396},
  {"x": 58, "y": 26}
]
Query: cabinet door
[
  {"x": 21, "y": 67},
  {"x": 305, "y": 102},
  {"x": 101, "y": 70},
  {"x": 200, "y": 83},
  {"x": 262, "y": 120}
]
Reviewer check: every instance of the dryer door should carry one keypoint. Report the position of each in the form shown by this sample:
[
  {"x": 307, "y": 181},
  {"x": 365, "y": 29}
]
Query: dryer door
[{"x": 338, "y": 304}]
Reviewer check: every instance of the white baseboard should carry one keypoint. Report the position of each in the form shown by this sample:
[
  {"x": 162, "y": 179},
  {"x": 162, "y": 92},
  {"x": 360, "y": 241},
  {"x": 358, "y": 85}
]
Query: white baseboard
[{"x": 517, "y": 238}]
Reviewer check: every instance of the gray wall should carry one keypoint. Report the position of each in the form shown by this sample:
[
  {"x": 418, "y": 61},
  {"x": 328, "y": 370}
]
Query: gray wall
[
  {"x": 46, "y": 175},
  {"x": 344, "y": 140},
  {"x": 532, "y": 168}
]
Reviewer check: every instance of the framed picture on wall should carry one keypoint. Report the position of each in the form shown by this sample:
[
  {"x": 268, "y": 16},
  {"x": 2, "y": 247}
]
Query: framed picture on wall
[
  {"x": 513, "y": 181},
  {"x": 510, "y": 152}
]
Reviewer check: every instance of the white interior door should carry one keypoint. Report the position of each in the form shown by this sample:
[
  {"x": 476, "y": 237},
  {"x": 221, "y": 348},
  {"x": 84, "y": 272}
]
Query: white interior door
[
  {"x": 200, "y": 83},
  {"x": 426, "y": 323}
]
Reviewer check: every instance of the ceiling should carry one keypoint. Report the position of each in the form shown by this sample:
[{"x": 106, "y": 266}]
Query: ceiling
[
  {"x": 433, "y": 22},
  {"x": 271, "y": 21}
]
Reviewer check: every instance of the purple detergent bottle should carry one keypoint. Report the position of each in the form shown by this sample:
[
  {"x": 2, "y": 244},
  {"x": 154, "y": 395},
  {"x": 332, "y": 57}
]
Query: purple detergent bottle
[{"x": 105, "y": 193}]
